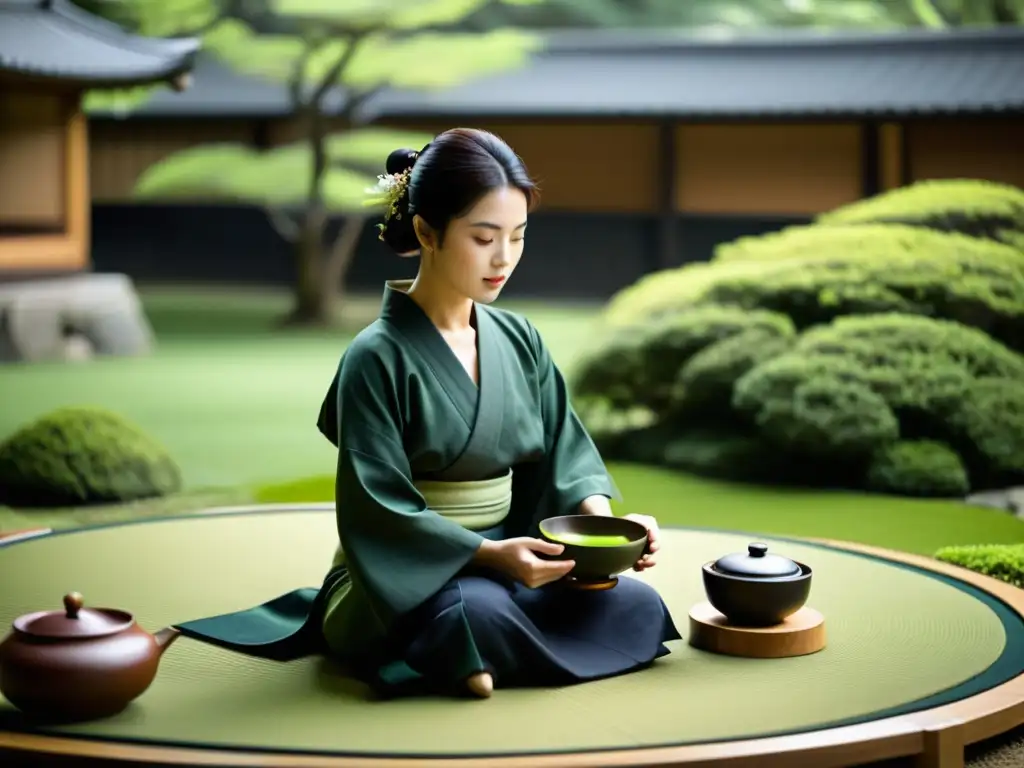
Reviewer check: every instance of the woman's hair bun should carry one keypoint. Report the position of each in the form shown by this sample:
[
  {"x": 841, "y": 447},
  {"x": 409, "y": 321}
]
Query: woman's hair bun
[
  {"x": 401, "y": 160},
  {"x": 398, "y": 231}
]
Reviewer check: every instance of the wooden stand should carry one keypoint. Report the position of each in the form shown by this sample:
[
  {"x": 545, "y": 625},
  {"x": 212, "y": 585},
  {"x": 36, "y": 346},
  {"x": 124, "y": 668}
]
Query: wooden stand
[{"x": 800, "y": 634}]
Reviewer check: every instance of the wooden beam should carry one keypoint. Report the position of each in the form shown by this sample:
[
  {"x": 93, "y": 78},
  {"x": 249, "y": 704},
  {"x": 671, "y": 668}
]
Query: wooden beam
[
  {"x": 869, "y": 158},
  {"x": 891, "y": 150},
  {"x": 668, "y": 255},
  {"x": 78, "y": 200},
  {"x": 42, "y": 253}
]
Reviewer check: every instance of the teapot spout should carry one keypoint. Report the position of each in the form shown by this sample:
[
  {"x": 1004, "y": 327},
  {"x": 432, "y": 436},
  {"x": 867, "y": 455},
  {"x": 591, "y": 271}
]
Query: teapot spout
[{"x": 165, "y": 637}]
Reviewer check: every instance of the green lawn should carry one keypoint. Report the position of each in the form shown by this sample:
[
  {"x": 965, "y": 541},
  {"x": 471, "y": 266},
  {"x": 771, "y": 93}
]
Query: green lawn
[
  {"x": 233, "y": 402},
  {"x": 236, "y": 402}
]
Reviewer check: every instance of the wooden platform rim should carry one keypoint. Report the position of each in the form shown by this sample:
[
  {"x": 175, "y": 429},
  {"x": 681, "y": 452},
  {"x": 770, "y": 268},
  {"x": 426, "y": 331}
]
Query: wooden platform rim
[{"x": 936, "y": 736}]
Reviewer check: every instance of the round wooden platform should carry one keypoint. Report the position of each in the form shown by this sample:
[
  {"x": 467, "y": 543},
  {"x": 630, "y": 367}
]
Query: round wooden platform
[
  {"x": 800, "y": 634},
  {"x": 930, "y": 732}
]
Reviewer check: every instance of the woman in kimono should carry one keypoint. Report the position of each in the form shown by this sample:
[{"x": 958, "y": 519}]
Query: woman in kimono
[{"x": 455, "y": 437}]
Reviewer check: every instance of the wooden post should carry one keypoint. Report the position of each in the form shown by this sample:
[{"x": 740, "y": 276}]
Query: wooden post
[
  {"x": 891, "y": 163},
  {"x": 870, "y": 172},
  {"x": 668, "y": 255},
  {"x": 943, "y": 746},
  {"x": 76, "y": 182}
]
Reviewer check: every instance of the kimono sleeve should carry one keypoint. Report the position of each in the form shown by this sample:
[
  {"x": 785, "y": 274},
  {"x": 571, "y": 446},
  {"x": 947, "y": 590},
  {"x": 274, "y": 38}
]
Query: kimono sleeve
[
  {"x": 398, "y": 550},
  {"x": 572, "y": 466}
]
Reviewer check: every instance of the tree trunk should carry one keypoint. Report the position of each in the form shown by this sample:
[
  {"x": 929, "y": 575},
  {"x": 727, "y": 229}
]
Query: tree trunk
[
  {"x": 318, "y": 280},
  {"x": 340, "y": 259},
  {"x": 312, "y": 305}
]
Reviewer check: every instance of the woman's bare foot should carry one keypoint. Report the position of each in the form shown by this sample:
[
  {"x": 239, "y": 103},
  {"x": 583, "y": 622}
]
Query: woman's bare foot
[{"x": 481, "y": 684}]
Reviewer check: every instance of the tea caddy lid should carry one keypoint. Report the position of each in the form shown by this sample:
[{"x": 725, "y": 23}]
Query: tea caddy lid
[{"x": 756, "y": 562}]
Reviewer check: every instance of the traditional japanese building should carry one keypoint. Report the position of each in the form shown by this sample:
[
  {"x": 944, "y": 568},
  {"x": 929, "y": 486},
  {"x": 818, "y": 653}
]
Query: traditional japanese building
[
  {"x": 650, "y": 149},
  {"x": 51, "y": 52},
  {"x": 54, "y": 304}
]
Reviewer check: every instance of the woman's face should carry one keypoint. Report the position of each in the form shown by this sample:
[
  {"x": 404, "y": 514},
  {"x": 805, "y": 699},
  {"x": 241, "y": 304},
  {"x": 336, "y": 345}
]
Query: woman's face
[{"x": 482, "y": 248}]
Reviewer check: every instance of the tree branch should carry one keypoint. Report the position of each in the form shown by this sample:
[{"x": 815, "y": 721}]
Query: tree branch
[
  {"x": 928, "y": 14},
  {"x": 338, "y": 68},
  {"x": 283, "y": 225},
  {"x": 1005, "y": 13},
  {"x": 315, "y": 115},
  {"x": 342, "y": 252},
  {"x": 366, "y": 167},
  {"x": 299, "y": 74},
  {"x": 357, "y": 100},
  {"x": 225, "y": 9}
]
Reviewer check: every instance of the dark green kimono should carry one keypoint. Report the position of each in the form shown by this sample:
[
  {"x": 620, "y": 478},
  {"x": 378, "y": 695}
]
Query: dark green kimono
[{"x": 407, "y": 417}]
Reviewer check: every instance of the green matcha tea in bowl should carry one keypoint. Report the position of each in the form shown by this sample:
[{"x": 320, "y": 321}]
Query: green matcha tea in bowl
[{"x": 602, "y": 547}]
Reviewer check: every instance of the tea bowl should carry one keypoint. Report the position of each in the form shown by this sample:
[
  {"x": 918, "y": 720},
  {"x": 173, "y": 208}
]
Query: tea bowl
[{"x": 602, "y": 547}]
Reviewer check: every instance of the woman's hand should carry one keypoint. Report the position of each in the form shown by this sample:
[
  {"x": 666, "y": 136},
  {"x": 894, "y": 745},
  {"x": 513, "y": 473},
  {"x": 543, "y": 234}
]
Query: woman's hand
[
  {"x": 653, "y": 534},
  {"x": 517, "y": 558}
]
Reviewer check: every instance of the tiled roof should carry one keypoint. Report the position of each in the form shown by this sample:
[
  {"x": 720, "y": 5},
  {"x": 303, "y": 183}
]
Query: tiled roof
[
  {"x": 622, "y": 74},
  {"x": 787, "y": 74},
  {"x": 57, "y": 40}
]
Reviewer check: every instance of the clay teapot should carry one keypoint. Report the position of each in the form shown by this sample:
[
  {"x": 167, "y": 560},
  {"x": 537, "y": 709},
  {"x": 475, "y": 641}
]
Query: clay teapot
[{"x": 80, "y": 663}]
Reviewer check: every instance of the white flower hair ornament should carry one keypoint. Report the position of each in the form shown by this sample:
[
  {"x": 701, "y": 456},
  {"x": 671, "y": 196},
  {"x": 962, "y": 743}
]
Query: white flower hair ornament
[{"x": 387, "y": 192}]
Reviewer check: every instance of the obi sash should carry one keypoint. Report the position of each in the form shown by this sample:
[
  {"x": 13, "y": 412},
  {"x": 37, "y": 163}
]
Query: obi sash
[{"x": 479, "y": 505}]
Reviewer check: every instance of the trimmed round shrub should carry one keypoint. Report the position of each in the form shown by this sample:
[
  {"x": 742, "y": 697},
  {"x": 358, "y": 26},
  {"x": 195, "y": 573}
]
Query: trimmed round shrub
[
  {"x": 815, "y": 406},
  {"x": 613, "y": 372},
  {"x": 917, "y": 468},
  {"x": 639, "y": 366},
  {"x": 989, "y": 424},
  {"x": 705, "y": 383},
  {"x": 609, "y": 425},
  {"x": 80, "y": 456},
  {"x": 915, "y": 362},
  {"x": 833, "y": 400},
  {"x": 889, "y": 376},
  {"x": 974, "y": 207},
  {"x": 877, "y": 348},
  {"x": 727, "y": 454},
  {"x": 857, "y": 242},
  {"x": 847, "y": 271}
]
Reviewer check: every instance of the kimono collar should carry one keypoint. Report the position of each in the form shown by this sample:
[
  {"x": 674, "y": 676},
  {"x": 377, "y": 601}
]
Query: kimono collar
[
  {"x": 399, "y": 307},
  {"x": 397, "y": 304}
]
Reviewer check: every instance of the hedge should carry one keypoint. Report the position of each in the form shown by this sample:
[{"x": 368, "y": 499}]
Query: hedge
[
  {"x": 864, "y": 242},
  {"x": 989, "y": 424},
  {"x": 975, "y": 282},
  {"x": 78, "y": 456},
  {"x": 705, "y": 381},
  {"x": 1000, "y": 561},
  {"x": 900, "y": 403},
  {"x": 879, "y": 348},
  {"x": 640, "y": 366},
  {"x": 857, "y": 385},
  {"x": 917, "y": 468},
  {"x": 979, "y": 208}
]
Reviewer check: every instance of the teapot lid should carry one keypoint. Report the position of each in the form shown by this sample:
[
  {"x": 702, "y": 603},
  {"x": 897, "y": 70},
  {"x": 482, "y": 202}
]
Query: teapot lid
[
  {"x": 75, "y": 621},
  {"x": 757, "y": 563}
]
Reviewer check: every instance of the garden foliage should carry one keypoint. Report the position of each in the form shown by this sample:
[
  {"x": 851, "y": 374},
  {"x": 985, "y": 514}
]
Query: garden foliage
[
  {"x": 81, "y": 456},
  {"x": 1000, "y": 561},
  {"x": 879, "y": 348}
]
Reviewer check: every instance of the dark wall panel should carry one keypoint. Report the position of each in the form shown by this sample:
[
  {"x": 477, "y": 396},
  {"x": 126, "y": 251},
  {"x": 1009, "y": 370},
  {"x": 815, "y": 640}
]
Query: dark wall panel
[
  {"x": 698, "y": 235},
  {"x": 569, "y": 255}
]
